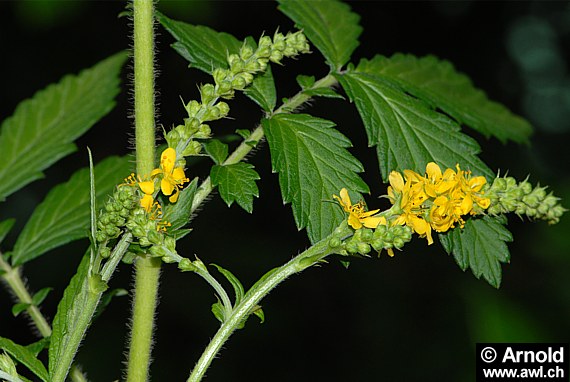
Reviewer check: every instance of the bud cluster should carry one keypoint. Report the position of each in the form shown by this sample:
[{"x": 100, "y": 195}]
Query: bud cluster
[
  {"x": 240, "y": 74},
  {"x": 507, "y": 195},
  {"x": 115, "y": 213},
  {"x": 383, "y": 237}
]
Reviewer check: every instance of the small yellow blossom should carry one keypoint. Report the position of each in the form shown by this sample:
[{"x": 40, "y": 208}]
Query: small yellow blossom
[
  {"x": 147, "y": 187},
  {"x": 357, "y": 217},
  {"x": 173, "y": 178},
  {"x": 436, "y": 201}
]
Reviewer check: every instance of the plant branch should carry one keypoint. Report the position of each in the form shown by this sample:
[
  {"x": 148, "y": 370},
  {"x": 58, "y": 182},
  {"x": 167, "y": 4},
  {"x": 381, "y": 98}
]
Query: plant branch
[
  {"x": 258, "y": 291},
  {"x": 257, "y": 135}
]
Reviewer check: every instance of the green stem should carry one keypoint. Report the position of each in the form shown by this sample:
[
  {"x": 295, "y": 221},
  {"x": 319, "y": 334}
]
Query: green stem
[
  {"x": 257, "y": 135},
  {"x": 14, "y": 280},
  {"x": 257, "y": 292},
  {"x": 147, "y": 268}
]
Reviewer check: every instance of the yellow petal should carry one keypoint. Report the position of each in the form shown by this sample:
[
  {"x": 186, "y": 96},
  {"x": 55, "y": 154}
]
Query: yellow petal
[
  {"x": 178, "y": 175},
  {"x": 484, "y": 202},
  {"x": 155, "y": 172},
  {"x": 354, "y": 222},
  {"x": 147, "y": 187},
  {"x": 396, "y": 181},
  {"x": 477, "y": 183},
  {"x": 413, "y": 176},
  {"x": 466, "y": 205},
  {"x": 373, "y": 221},
  {"x": 345, "y": 198},
  {"x": 174, "y": 197},
  {"x": 166, "y": 187},
  {"x": 146, "y": 202},
  {"x": 433, "y": 171},
  {"x": 167, "y": 160}
]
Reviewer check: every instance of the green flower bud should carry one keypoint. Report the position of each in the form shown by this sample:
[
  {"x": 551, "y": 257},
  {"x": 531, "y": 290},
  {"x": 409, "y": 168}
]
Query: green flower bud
[
  {"x": 186, "y": 265},
  {"x": 363, "y": 248},
  {"x": 253, "y": 66},
  {"x": 352, "y": 247},
  {"x": 245, "y": 52},
  {"x": 207, "y": 93},
  {"x": 225, "y": 89},
  {"x": 194, "y": 148},
  {"x": 367, "y": 234},
  {"x": 290, "y": 52},
  {"x": 234, "y": 60},
  {"x": 262, "y": 62},
  {"x": 276, "y": 56},
  {"x": 105, "y": 252},
  {"x": 239, "y": 83},
  {"x": 377, "y": 244},
  {"x": 170, "y": 243},
  {"x": 223, "y": 108},
  {"x": 158, "y": 251},
  {"x": 264, "y": 42},
  {"x": 220, "y": 75},
  {"x": 193, "y": 107},
  {"x": 334, "y": 242},
  {"x": 155, "y": 237},
  {"x": 203, "y": 132}
]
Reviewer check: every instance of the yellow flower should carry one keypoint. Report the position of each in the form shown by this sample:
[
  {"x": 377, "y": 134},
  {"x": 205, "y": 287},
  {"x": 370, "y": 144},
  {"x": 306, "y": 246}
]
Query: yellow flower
[
  {"x": 357, "y": 217},
  {"x": 147, "y": 187},
  {"x": 173, "y": 178}
]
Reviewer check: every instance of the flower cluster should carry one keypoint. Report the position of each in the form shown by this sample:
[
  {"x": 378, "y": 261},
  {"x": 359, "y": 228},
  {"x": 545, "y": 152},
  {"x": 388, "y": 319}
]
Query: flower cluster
[
  {"x": 436, "y": 201},
  {"x": 507, "y": 195},
  {"x": 240, "y": 74}
]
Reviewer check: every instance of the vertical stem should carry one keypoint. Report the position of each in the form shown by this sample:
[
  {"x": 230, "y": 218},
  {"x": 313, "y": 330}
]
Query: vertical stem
[{"x": 147, "y": 269}]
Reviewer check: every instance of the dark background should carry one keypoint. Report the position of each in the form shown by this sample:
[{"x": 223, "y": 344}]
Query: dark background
[{"x": 415, "y": 317}]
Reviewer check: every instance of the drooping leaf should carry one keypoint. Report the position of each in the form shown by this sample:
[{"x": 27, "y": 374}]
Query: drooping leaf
[
  {"x": 25, "y": 357},
  {"x": 262, "y": 91},
  {"x": 481, "y": 246},
  {"x": 257, "y": 311},
  {"x": 328, "y": 24},
  {"x": 236, "y": 284},
  {"x": 179, "y": 213},
  {"x": 5, "y": 228},
  {"x": 217, "y": 150},
  {"x": 40, "y": 296},
  {"x": 19, "y": 308},
  {"x": 313, "y": 163},
  {"x": 236, "y": 183},
  {"x": 406, "y": 132},
  {"x": 439, "y": 84},
  {"x": 64, "y": 215},
  {"x": 42, "y": 129},
  {"x": 207, "y": 49}
]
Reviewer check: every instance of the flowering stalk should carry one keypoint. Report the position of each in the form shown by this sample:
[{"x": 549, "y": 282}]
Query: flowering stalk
[{"x": 147, "y": 268}]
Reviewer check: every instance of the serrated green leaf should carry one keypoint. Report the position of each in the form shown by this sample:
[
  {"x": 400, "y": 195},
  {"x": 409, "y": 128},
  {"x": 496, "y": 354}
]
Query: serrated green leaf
[
  {"x": 5, "y": 228},
  {"x": 70, "y": 323},
  {"x": 329, "y": 25},
  {"x": 25, "y": 357},
  {"x": 406, "y": 132},
  {"x": 481, "y": 246},
  {"x": 313, "y": 163},
  {"x": 236, "y": 183},
  {"x": 322, "y": 92},
  {"x": 236, "y": 284},
  {"x": 217, "y": 150},
  {"x": 42, "y": 129},
  {"x": 40, "y": 296},
  {"x": 179, "y": 214},
  {"x": 441, "y": 86},
  {"x": 207, "y": 49},
  {"x": 305, "y": 81},
  {"x": 262, "y": 91},
  {"x": 19, "y": 308},
  {"x": 64, "y": 215}
]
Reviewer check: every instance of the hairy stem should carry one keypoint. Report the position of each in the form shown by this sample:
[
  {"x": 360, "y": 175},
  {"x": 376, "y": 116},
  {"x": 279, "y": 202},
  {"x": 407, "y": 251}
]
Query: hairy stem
[
  {"x": 257, "y": 135},
  {"x": 257, "y": 292},
  {"x": 14, "y": 280},
  {"x": 147, "y": 269}
]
